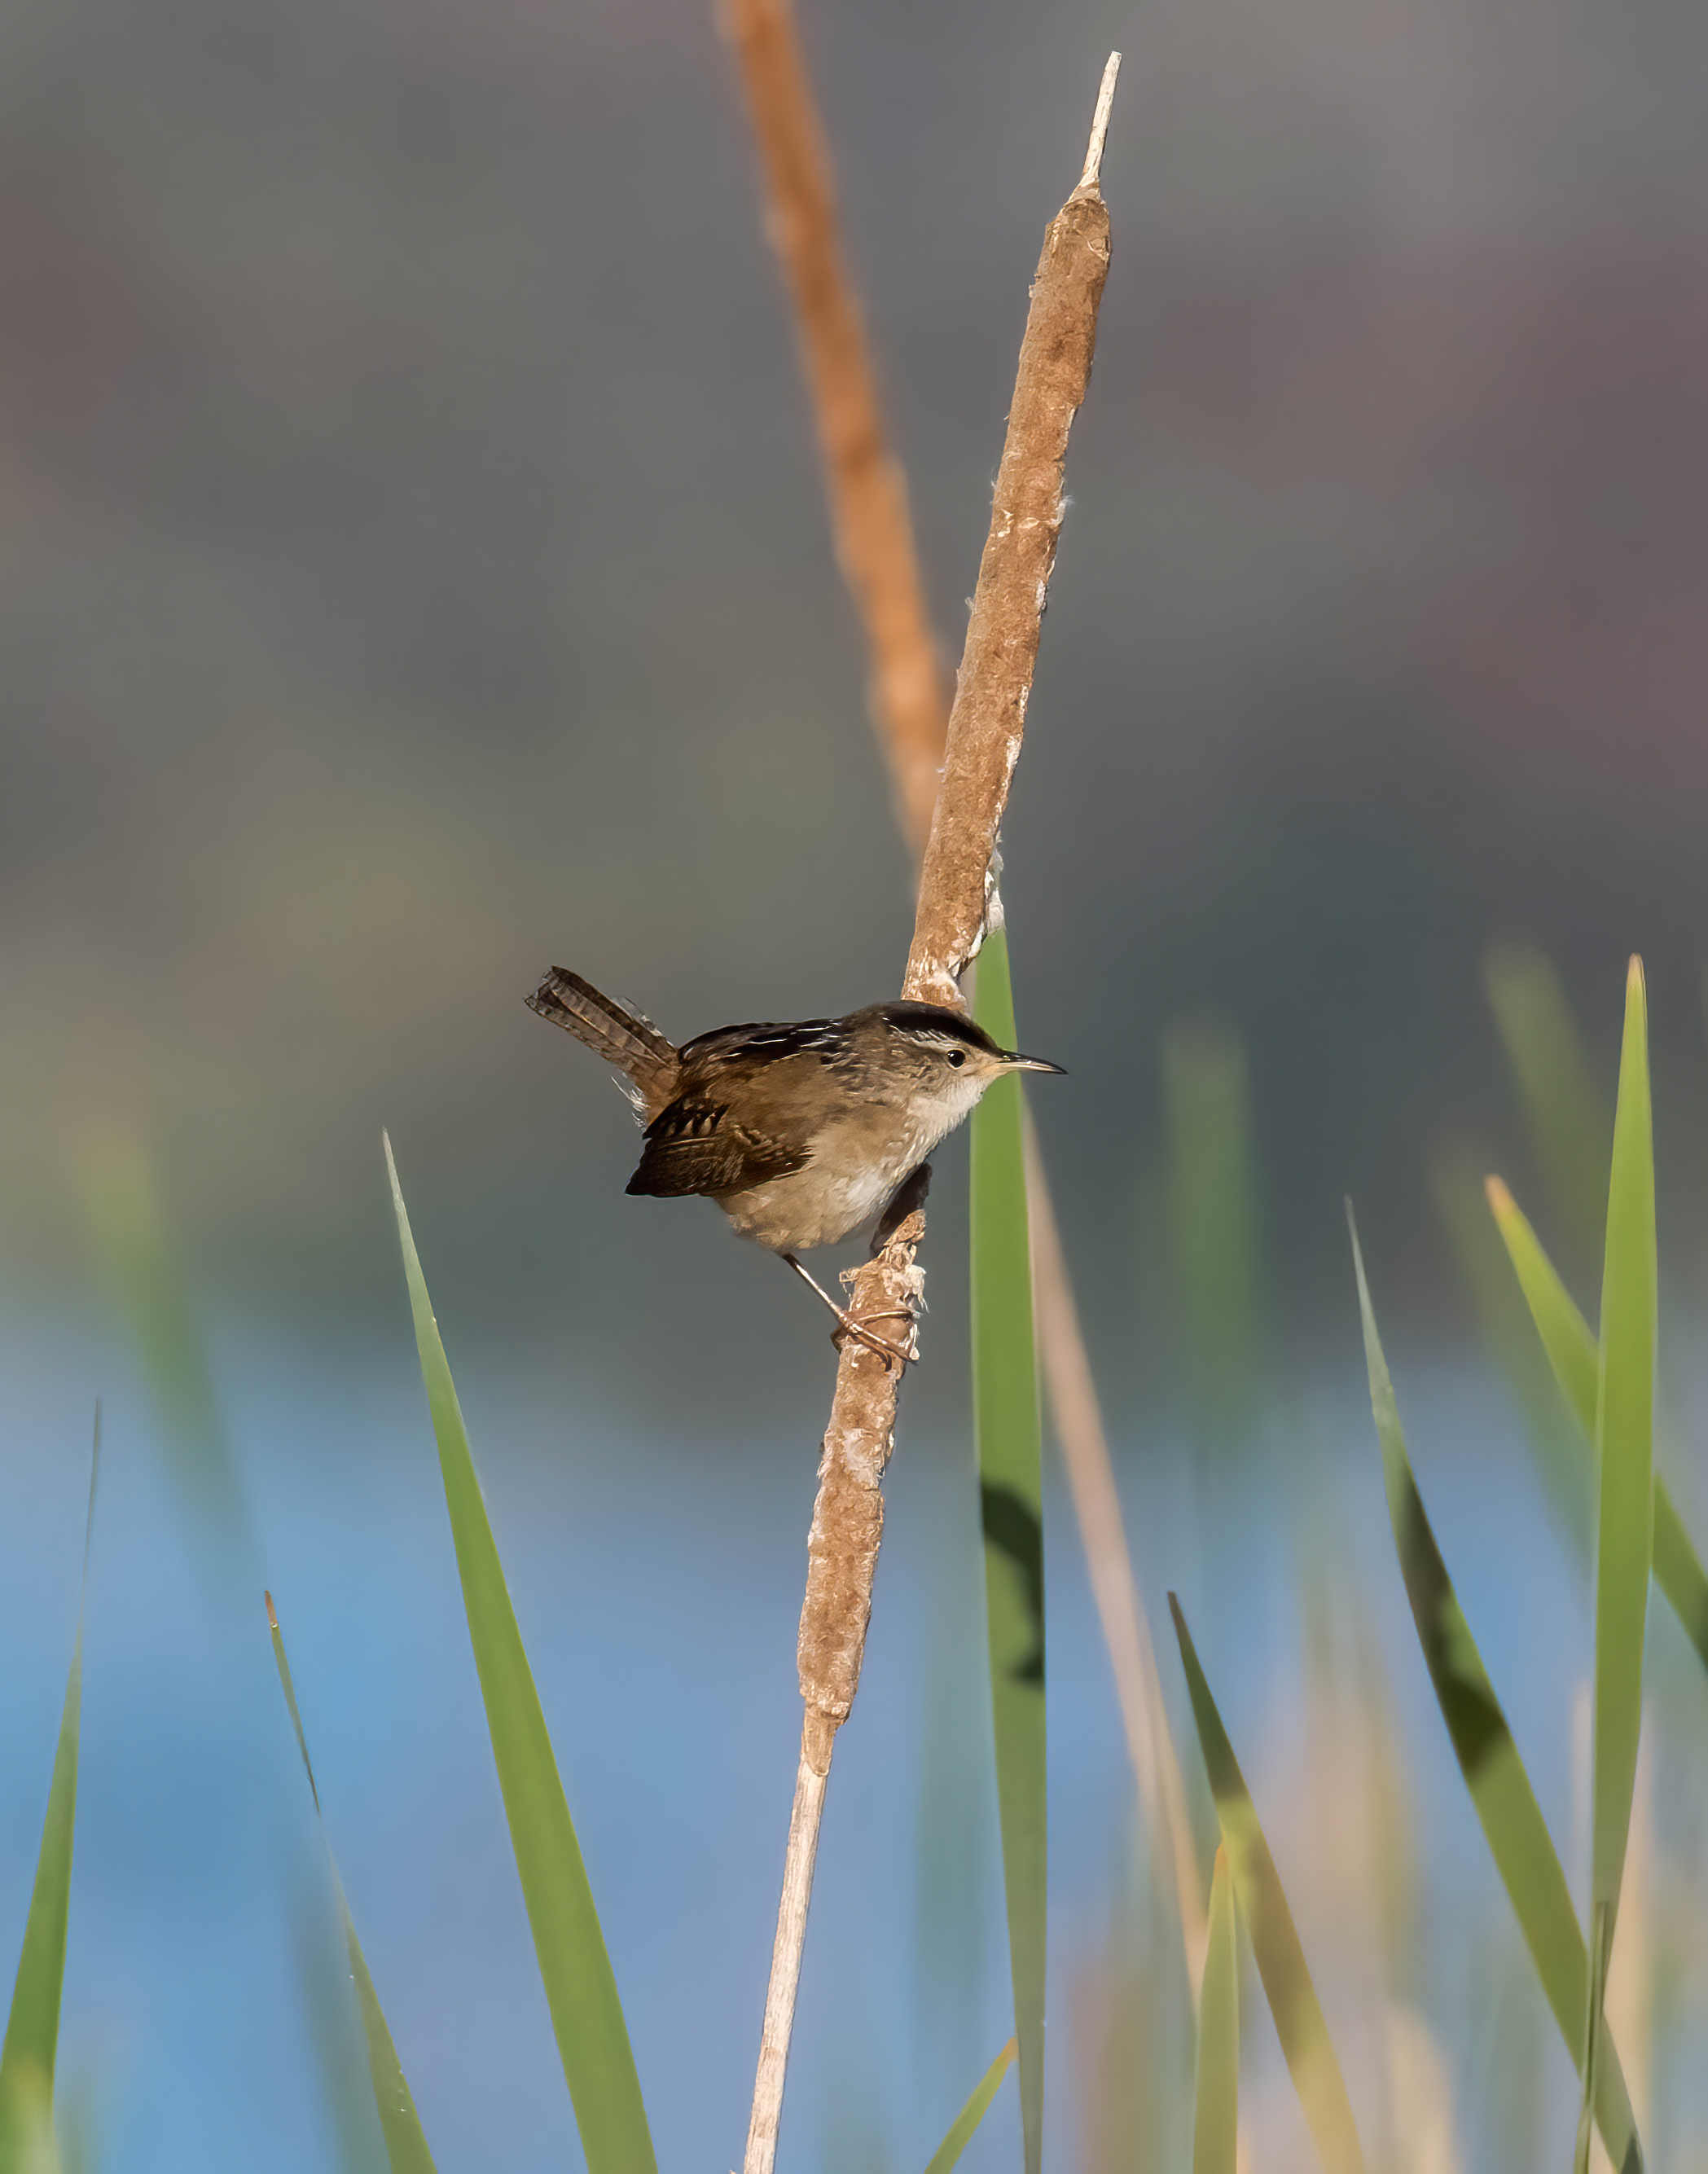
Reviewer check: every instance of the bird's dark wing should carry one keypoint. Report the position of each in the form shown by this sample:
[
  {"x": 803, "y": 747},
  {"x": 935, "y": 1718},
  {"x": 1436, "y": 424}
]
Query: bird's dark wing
[
  {"x": 695, "y": 1146},
  {"x": 764, "y": 1041}
]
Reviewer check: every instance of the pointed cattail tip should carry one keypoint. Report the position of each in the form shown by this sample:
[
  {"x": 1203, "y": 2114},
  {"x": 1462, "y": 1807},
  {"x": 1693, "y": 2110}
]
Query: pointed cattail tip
[
  {"x": 272, "y": 1613},
  {"x": 1499, "y": 1200},
  {"x": 1635, "y": 983},
  {"x": 1099, "y": 125}
]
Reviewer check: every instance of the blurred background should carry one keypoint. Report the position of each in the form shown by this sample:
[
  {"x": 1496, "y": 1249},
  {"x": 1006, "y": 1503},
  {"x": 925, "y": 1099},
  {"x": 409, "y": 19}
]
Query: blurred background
[{"x": 418, "y": 576}]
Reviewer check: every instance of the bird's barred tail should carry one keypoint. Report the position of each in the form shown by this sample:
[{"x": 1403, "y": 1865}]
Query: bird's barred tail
[{"x": 625, "y": 1038}]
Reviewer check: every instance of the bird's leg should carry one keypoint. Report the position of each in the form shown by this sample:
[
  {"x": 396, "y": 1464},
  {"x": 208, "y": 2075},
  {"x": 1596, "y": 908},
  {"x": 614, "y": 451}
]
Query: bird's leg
[
  {"x": 907, "y": 1195},
  {"x": 849, "y": 1326}
]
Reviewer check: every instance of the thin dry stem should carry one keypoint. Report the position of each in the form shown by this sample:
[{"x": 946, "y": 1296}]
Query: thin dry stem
[
  {"x": 863, "y": 480},
  {"x": 1078, "y": 1418},
  {"x": 804, "y": 1817},
  {"x": 984, "y": 731}
]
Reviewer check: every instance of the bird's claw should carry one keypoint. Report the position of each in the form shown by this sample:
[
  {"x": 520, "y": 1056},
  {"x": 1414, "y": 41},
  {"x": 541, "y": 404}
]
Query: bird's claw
[{"x": 847, "y": 1326}]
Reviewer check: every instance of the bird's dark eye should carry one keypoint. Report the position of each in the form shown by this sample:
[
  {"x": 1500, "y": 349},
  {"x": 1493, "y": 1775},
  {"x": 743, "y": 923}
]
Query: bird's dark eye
[{"x": 957, "y": 1057}]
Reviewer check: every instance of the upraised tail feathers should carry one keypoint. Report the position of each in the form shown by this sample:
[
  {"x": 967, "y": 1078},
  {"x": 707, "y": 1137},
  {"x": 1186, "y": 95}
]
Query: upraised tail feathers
[{"x": 625, "y": 1038}]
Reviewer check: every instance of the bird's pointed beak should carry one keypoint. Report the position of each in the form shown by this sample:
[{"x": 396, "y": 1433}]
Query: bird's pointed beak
[{"x": 1035, "y": 1064}]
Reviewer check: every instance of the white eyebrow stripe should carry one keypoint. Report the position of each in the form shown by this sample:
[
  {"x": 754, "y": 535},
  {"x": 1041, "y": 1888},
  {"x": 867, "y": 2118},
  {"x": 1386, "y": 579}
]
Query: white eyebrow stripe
[{"x": 935, "y": 1040}]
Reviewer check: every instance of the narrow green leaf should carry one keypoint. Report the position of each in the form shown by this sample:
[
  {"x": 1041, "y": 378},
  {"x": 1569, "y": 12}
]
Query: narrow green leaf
[
  {"x": 1625, "y": 1443},
  {"x": 1299, "y": 2023},
  {"x": 406, "y": 2141},
  {"x": 1575, "y": 1358},
  {"x": 1216, "y": 2127},
  {"x": 580, "y": 1986},
  {"x": 32, "y": 2027},
  {"x": 1500, "y": 1792},
  {"x": 1679, "y": 1570},
  {"x": 1508, "y": 1339},
  {"x": 1009, "y": 1425},
  {"x": 961, "y": 2128},
  {"x": 1566, "y": 1337}
]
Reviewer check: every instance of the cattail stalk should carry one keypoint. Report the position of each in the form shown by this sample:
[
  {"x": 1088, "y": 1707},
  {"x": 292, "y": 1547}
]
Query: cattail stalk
[
  {"x": 865, "y": 488},
  {"x": 985, "y": 730}
]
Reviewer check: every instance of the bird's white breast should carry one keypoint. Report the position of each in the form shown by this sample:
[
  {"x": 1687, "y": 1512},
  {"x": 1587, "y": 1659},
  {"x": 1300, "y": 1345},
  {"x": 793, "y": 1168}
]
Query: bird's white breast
[{"x": 855, "y": 1165}]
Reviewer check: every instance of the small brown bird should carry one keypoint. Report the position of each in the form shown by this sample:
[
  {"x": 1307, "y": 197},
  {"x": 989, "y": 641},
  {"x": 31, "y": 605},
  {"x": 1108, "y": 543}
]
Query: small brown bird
[{"x": 799, "y": 1132}]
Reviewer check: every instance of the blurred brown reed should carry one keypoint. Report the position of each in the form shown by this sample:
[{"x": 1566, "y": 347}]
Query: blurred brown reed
[{"x": 864, "y": 484}]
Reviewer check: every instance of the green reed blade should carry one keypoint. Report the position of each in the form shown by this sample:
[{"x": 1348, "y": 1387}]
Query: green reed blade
[
  {"x": 406, "y": 2141},
  {"x": 1573, "y": 1352},
  {"x": 1567, "y": 1337},
  {"x": 580, "y": 1987},
  {"x": 1216, "y": 2127},
  {"x": 1009, "y": 1426},
  {"x": 1500, "y": 1792},
  {"x": 1679, "y": 1570},
  {"x": 1299, "y": 2023},
  {"x": 1508, "y": 1337},
  {"x": 32, "y": 2026},
  {"x": 961, "y": 2128}
]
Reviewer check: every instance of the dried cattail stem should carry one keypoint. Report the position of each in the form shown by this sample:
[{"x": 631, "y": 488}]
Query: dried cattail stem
[
  {"x": 989, "y": 715},
  {"x": 984, "y": 743},
  {"x": 805, "y": 1815},
  {"x": 866, "y": 489},
  {"x": 801, "y": 217}
]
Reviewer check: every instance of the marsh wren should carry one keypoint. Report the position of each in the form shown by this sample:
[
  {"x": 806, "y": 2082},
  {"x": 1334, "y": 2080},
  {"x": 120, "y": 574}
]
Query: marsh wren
[{"x": 799, "y": 1132}]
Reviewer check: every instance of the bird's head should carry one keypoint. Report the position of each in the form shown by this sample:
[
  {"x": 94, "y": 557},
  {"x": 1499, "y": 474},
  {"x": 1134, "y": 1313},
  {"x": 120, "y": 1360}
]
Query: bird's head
[{"x": 948, "y": 1059}]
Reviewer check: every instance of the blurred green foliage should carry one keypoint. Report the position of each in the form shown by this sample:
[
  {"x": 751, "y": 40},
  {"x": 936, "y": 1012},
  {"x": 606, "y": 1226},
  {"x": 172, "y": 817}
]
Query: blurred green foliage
[
  {"x": 1483, "y": 1743},
  {"x": 1565, "y": 1105},
  {"x": 143, "y": 1272},
  {"x": 1299, "y": 2022},
  {"x": 1217, "y": 1295}
]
